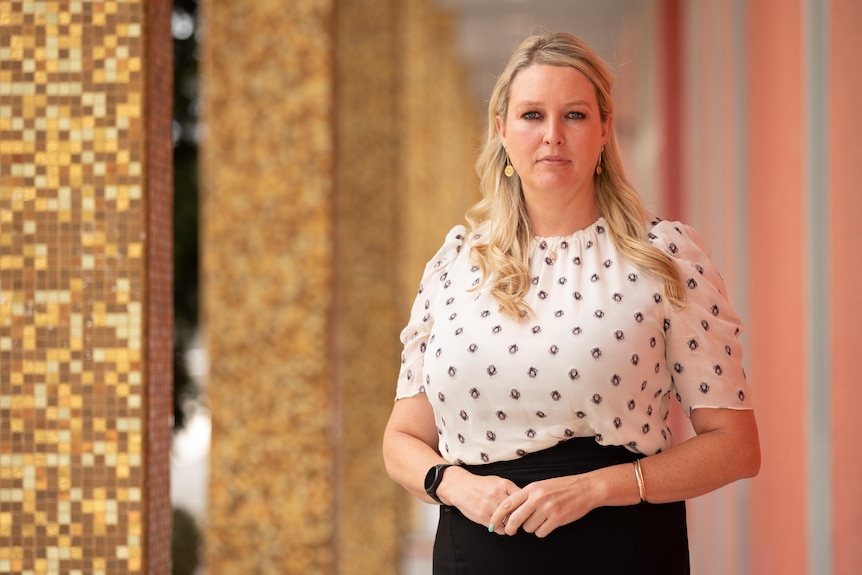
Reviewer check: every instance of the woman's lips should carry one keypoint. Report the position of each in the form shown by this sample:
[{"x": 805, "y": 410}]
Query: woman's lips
[{"x": 554, "y": 160}]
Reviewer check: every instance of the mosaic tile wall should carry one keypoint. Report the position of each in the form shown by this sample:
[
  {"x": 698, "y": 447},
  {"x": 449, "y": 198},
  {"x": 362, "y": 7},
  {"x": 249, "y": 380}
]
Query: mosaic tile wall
[
  {"x": 76, "y": 272},
  {"x": 337, "y": 134}
]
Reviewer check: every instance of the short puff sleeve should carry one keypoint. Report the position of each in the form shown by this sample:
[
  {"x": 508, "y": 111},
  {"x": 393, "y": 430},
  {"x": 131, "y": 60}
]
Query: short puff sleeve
[
  {"x": 414, "y": 336},
  {"x": 703, "y": 350}
]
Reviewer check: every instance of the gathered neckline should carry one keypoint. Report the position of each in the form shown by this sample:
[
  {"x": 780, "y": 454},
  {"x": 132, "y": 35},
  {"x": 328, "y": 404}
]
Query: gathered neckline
[{"x": 589, "y": 230}]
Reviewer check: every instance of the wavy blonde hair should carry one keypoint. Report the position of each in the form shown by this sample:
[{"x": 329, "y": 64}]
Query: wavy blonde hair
[{"x": 503, "y": 259}]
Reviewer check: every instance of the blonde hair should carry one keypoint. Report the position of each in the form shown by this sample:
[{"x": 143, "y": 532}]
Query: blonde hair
[{"x": 503, "y": 259}]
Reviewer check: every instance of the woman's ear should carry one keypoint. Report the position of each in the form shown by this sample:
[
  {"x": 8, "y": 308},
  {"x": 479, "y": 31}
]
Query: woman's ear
[
  {"x": 607, "y": 128},
  {"x": 501, "y": 129}
]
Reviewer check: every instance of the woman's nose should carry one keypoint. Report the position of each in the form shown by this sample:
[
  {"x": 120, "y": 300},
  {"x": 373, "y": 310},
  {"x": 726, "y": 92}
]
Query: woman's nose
[{"x": 554, "y": 133}]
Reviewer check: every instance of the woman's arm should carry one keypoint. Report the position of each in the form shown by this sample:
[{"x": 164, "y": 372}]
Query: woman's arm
[
  {"x": 725, "y": 449},
  {"x": 410, "y": 450},
  {"x": 410, "y": 444}
]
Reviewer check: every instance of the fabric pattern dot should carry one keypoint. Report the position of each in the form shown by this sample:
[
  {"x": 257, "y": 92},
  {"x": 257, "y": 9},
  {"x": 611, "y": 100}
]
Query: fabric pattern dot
[{"x": 602, "y": 354}]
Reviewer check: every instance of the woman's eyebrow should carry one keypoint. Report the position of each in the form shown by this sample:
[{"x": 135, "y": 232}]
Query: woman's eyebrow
[{"x": 536, "y": 103}]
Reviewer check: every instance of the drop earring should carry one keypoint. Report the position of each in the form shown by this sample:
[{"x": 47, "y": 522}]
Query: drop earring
[
  {"x": 599, "y": 165},
  {"x": 509, "y": 170}
]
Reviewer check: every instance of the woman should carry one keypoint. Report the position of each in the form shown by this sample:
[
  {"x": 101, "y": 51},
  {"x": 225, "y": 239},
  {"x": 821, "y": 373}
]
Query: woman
[{"x": 547, "y": 341}]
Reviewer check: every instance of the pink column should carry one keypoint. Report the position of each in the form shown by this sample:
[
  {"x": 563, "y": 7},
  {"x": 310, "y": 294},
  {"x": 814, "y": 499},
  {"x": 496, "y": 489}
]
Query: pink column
[
  {"x": 845, "y": 175},
  {"x": 670, "y": 38},
  {"x": 777, "y": 302},
  {"x": 714, "y": 137}
]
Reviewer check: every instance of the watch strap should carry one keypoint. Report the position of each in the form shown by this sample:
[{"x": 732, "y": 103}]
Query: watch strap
[{"x": 433, "y": 479}]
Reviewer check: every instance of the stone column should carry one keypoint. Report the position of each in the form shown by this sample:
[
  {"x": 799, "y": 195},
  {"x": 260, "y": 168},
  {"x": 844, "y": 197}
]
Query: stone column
[
  {"x": 267, "y": 249},
  {"x": 314, "y": 120},
  {"x": 85, "y": 296},
  {"x": 368, "y": 200}
]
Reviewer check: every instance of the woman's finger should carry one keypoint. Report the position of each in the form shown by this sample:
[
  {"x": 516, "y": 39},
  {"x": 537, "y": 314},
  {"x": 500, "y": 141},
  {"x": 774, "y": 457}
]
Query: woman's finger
[{"x": 501, "y": 518}]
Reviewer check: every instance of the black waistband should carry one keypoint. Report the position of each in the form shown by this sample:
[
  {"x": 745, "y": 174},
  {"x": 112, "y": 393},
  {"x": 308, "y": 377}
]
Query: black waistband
[{"x": 571, "y": 457}]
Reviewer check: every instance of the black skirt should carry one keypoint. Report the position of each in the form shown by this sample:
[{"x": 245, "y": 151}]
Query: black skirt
[{"x": 640, "y": 539}]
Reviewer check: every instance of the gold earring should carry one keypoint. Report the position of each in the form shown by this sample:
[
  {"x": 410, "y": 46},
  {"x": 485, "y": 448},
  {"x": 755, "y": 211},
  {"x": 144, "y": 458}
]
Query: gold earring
[
  {"x": 599, "y": 165},
  {"x": 509, "y": 170}
]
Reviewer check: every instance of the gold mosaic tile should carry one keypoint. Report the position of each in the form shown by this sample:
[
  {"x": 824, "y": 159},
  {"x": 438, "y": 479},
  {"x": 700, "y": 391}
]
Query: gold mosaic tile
[{"x": 72, "y": 287}]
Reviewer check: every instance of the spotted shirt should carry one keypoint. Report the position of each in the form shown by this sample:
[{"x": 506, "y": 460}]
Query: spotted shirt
[{"x": 601, "y": 355}]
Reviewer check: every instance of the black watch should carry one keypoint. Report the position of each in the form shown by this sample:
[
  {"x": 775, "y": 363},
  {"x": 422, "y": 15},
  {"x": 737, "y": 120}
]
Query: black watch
[{"x": 433, "y": 479}]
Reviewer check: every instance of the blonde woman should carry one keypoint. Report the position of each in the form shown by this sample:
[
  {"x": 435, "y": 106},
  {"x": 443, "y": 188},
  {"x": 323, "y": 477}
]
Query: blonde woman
[{"x": 547, "y": 341}]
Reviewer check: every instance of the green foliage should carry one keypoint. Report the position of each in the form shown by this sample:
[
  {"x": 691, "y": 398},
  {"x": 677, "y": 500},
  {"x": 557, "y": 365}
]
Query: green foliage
[
  {"x": 186, "y": 263},
  {"x": 186, "y": 536},
  {"x": 185, "y": 543}
]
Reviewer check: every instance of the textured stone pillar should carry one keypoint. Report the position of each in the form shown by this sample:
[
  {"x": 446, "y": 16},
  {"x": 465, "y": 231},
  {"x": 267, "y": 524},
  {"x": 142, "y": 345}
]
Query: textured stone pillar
[
  {"x": 440, "y": 136},
  {"x": 267, "y": 246},
  {"x": 317, "y": 177},
  {"x": 405, "y": 141},
  {"x": 368, "y": 201},
  {"x": 85, "y": 286}
]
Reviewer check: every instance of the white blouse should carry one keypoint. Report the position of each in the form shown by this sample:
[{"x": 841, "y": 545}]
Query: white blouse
[{"x": 600, "y": 356}]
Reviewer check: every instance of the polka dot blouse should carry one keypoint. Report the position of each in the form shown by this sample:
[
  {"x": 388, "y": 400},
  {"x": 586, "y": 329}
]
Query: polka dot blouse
[{"x": 602, "y": 354}]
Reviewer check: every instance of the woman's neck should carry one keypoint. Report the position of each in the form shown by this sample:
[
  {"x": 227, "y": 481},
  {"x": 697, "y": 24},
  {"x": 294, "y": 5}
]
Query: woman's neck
[{"x": 554, "y": 218}]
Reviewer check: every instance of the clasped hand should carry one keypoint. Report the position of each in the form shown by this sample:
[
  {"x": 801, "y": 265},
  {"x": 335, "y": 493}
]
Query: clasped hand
[
  {"x": 538, "y": 508},
  {"x": 542, "y": 506}
]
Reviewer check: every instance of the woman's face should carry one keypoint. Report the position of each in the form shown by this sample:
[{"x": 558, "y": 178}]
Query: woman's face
[{"x": 553, "y": 132}]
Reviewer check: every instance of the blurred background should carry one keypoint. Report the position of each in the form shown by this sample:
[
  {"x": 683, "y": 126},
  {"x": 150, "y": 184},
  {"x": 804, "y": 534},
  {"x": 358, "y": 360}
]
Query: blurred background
[
  {"x": 727, "y": 114},
  {"x": 213, "y": 219}
]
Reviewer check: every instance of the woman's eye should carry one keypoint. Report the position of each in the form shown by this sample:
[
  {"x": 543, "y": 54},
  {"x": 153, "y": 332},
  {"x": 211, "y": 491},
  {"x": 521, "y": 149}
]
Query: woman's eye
[
  {"x": 577, "y": 115},
  {"x": 531, "y": 116}
]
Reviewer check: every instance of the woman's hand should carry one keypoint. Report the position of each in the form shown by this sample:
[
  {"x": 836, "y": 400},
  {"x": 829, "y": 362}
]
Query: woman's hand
[
  {"x": 545, "y": 505},
  {"x": 725, "y": 448},
  {"x": 476, "y": 496}
]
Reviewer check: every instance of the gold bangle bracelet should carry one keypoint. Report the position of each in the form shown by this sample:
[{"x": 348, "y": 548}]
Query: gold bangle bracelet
[{"x": 639, "y": 475}]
